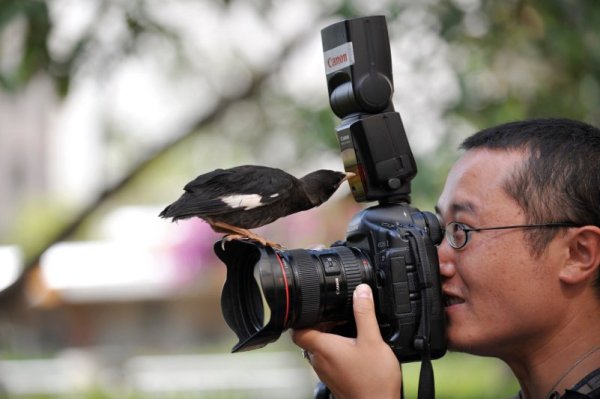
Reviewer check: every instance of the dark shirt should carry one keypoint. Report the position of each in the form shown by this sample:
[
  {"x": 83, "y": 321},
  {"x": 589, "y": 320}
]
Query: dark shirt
[{"x": 587, "y": 388}]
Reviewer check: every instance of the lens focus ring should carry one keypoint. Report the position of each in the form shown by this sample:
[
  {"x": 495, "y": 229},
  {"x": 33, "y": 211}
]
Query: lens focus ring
[
  {"x": 352, "y": 272},
  {"x": 309, "y": 287}
]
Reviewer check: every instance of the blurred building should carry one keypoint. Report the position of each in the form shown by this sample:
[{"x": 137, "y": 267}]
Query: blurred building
[{"x": 148, "y": 285}]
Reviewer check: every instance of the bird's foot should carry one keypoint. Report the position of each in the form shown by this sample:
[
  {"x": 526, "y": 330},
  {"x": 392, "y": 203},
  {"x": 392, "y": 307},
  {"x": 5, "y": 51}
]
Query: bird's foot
[{"x": 263, "y": 241}]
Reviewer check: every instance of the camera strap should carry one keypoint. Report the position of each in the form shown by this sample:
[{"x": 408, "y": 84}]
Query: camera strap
[{"x": 422, "y": 339}]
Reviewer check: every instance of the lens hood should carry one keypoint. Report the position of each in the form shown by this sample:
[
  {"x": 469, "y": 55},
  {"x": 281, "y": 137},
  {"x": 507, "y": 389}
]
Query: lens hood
[{"x": 243, "y": 301}]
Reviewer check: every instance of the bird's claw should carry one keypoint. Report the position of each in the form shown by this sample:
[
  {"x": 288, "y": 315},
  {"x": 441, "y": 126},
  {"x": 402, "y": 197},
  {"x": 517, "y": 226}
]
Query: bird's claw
[
  {"x": 223, "y": 241},
  {"x": 229, "y": 238}
]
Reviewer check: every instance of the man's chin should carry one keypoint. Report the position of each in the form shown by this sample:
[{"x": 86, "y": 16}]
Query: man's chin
[
  {"x": 471, "y": 348},
  {"x": 458, "y": 341}
]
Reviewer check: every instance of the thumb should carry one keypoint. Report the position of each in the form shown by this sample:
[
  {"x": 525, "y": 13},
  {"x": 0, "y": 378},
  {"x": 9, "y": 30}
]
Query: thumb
[{"x": 367, "y": 326}]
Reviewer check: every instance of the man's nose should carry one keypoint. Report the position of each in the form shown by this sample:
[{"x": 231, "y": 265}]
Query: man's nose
[{"x": 446, "y": 255}]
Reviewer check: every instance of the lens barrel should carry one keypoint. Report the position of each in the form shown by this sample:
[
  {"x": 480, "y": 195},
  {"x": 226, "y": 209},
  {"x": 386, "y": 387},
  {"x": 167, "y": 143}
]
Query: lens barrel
[{"x": 324, "y": 283}]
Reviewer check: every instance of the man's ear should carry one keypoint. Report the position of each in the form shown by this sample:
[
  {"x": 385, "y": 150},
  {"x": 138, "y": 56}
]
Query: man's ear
[{"x": 584, "y": 255}]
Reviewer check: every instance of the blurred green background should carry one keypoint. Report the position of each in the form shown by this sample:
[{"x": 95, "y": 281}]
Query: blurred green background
[{"x": 108, "y": 107}]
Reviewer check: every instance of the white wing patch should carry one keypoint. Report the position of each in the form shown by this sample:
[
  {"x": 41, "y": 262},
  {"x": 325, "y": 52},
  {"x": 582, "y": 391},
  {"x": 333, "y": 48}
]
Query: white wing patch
[{"x": 246, "y": 201}]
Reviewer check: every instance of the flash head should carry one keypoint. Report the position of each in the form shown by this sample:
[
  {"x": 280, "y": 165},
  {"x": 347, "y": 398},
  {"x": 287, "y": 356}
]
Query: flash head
[
  {"x": 372, "y": 139},
  {"x": 358, "y": 66}
]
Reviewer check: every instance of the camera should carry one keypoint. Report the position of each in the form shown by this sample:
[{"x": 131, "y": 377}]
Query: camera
[{"x": 391, "y": 246}]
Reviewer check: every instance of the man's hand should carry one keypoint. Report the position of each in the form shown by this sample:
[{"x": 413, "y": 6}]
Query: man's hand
[{"x": 354, "y": 368}]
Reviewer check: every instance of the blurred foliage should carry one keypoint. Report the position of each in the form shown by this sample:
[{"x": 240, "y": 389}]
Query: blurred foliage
[
  {"x": 524, "y": 59},
  {"x": 461, "y": 376},
  {"x": 515, "y": 58},
  {"x": 34, "y": 57},
  {"x": 30, "y": 232}
]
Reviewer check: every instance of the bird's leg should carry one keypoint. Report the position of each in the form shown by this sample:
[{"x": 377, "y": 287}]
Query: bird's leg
[
  {"x": 251, "y": 236},
  {"x": 238, "y": 232}
]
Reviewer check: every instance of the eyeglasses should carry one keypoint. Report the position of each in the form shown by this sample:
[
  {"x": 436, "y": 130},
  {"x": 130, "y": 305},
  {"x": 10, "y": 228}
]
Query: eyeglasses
[{"x": 457, "y": 233}]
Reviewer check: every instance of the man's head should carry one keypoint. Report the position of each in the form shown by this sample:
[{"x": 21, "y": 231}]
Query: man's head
[
  {"x": 559, "y": 179},
  {"x": 505, "y": 287}
]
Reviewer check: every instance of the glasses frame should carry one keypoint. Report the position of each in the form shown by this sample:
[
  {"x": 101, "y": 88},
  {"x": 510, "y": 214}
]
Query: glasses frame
[{"x": 468, "y": 229}]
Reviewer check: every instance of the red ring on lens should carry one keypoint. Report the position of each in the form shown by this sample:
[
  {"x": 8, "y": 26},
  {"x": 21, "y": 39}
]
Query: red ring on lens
[{"x": 287, "y": 290}]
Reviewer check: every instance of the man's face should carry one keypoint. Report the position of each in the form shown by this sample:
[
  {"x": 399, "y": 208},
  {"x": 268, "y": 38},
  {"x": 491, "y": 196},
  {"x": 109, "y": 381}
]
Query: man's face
[{"x": 501, "y": 296}]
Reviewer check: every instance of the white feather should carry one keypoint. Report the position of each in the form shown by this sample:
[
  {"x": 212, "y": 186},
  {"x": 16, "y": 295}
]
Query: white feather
[{"x": 246, "y": 201}]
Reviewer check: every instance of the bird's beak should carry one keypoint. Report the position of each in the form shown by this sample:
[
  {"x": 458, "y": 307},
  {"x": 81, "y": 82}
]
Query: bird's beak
[{"x": 349, "y": 175}]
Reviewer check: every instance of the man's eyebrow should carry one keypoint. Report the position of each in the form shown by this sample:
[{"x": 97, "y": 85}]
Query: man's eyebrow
[{"x": 456, "y": 207}]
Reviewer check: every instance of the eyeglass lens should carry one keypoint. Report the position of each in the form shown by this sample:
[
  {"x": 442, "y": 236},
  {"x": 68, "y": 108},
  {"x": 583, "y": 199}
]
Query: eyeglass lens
[{"x": 456, "y": 235}]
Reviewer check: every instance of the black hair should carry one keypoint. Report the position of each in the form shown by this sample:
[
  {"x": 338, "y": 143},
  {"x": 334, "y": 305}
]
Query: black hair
[{"x": 559, "y": 179}]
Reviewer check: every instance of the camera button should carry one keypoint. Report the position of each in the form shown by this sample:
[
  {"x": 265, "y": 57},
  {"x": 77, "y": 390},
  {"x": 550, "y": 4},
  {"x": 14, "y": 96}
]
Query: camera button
[{"x": 331, "y": 265}]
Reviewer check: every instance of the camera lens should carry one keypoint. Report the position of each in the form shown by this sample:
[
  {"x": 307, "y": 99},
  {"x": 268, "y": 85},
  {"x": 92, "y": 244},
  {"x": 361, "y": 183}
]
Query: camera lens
[
  {"x": 323, "y": 284},
  {"x": 269, "y": 291}
]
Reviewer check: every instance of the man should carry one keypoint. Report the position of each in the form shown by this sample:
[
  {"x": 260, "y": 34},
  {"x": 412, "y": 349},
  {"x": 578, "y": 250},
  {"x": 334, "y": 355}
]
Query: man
[{"x": 519, "y": 266}]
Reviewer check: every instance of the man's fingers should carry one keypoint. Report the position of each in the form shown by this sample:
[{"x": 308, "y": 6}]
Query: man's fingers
[
  {"x": 312, "y": 340},
  {"x": 304, "y": 338},
  {"x": 364, "y": 314}
]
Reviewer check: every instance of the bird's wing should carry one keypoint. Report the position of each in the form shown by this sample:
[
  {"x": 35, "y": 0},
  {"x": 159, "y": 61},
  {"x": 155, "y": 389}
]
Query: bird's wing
[
  {"x": 243, "y": 187},
  {"x": 208, "y": 179}
]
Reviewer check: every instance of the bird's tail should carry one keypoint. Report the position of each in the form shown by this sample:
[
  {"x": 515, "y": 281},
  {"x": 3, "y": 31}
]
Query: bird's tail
[
  {"x": 166, "y": 213},
  {"x": 181, "y": 210},
  {"x": 175, "y": 213}
]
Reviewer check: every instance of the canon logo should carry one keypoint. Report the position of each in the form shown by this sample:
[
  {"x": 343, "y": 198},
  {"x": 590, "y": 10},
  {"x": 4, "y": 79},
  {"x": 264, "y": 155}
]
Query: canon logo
[
  {"x": 339, "y": 57},
  {"x": 337, "y": 60}
]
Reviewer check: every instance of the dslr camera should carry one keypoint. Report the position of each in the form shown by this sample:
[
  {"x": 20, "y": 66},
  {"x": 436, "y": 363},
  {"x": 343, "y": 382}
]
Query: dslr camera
[{"x": 390, "y": 246}]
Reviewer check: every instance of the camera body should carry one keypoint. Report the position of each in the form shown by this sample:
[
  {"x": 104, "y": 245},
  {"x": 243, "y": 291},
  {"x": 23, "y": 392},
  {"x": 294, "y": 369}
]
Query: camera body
[
  {"x": 390, "y": 246},
  {"x": 399, "y": 241}
]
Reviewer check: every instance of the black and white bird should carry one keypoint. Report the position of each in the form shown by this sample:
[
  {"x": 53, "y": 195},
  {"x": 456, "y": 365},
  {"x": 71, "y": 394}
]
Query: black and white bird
[{"x": 244, "y": 197}]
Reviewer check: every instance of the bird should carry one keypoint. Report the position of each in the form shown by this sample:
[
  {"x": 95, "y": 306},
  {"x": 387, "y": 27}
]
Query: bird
[{"x": 234, "y": 200}]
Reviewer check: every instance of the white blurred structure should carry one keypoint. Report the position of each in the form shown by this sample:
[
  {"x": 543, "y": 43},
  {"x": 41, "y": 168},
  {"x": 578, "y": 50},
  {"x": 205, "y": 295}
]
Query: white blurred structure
[
  {"x": 142, "y": 257},
  {"x": 11, "y": 265}
]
